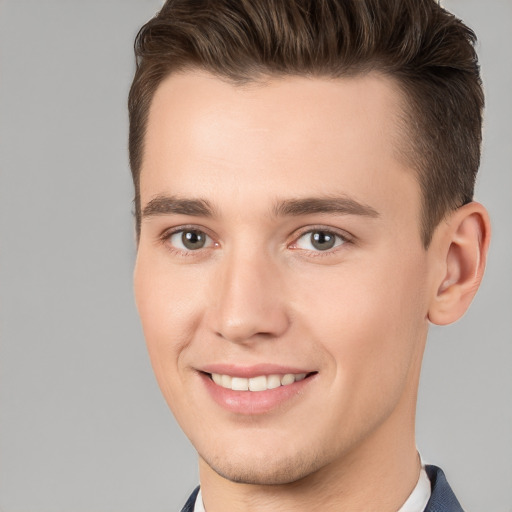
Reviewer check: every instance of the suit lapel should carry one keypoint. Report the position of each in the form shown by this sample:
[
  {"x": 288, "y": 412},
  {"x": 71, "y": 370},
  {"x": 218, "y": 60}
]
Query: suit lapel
[
  {"x": 442, "y": 498},
  {"x": 189, "y": 506}
]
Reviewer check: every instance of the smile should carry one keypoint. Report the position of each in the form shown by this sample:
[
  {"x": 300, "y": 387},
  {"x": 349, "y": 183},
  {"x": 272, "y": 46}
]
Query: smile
[
  {"x": 258, "y": 383},
  {"x": 257, "y": 389}
]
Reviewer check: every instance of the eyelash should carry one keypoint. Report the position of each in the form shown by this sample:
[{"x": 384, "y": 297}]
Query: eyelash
[{"x": 345, "y": 238}]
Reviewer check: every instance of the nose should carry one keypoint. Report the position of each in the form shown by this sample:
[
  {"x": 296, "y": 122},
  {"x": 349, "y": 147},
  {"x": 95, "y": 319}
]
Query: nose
[{"x": 249, "y": 300}]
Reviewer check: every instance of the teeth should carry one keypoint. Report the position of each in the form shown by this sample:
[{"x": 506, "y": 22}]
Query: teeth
[
  {"x": 225, "y": 381},
  {"x": 273, "y": 381},
  {"x": 239, "y": 384},
  {"x": 289, "y": 378},
  {"x": 259, "y": 383}
]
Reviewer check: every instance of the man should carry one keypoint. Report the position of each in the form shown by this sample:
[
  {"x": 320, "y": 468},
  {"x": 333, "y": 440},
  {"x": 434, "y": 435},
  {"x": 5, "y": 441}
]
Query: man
[{"x": 304, "y": 175}]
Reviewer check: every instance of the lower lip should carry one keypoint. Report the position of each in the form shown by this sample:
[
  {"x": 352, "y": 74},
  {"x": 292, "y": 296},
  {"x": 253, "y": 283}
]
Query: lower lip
[{"x": 255, "y": 402}]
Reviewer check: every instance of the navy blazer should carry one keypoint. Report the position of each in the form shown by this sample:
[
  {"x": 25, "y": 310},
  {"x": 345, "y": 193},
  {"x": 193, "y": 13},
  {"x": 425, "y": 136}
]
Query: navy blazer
[{"x": 442, "y": 498}]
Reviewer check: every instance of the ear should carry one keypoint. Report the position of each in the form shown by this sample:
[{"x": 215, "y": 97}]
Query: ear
[{"x": 461, "y": 244}]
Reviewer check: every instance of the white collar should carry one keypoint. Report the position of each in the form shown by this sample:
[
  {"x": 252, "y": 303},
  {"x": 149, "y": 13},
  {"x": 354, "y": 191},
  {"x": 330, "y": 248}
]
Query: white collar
[
  {"x": 418, "y": 499},
  {"x": 199, "y": 506}
]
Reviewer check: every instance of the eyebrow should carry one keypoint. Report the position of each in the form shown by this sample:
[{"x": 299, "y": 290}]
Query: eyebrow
[
  {"x": 172, "y": 205},
  {"x": 312, "y": 205}
]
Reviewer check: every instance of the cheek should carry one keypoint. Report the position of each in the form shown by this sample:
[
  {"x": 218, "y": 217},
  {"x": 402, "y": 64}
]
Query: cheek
[
  {"x": 369, "y": 318},
  {"x": 169, "y": 307}
]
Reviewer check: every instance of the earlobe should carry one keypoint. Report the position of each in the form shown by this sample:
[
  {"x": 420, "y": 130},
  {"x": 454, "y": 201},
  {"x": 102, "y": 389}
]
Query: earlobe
[{"x": 463, "y": 250}]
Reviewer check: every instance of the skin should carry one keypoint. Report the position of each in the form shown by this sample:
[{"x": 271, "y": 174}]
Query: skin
[{"x": 356, "y": 314}]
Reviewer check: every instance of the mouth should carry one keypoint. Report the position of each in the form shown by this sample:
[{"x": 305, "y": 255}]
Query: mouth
[
  {"x": 250, "y": 391},
  {"x": 258, "y": 383}
]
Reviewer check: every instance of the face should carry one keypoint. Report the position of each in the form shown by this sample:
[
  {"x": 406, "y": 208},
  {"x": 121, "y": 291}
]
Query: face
[{"x": 281, "y": 278}]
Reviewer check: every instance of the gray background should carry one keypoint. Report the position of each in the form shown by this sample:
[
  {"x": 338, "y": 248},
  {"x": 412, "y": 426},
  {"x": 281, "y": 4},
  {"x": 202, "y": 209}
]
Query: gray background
[{"x": 82, "y": 424}]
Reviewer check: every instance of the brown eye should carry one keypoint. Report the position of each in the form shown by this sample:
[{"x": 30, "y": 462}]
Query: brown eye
[{"x": 190, "y": 240}]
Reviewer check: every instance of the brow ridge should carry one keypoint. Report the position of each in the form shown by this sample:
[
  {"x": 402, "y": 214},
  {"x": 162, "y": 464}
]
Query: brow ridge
[
  {"x": 312, "y": 205},
  {"x": 173, "y": 205}
]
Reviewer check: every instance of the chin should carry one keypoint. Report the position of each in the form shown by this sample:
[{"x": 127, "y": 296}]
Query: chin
[{"x": 262, "y": 470}]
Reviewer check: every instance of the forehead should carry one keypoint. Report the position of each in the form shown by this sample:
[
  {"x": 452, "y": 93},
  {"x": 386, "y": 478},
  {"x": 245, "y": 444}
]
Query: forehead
[{"x": 274, "y": 137}]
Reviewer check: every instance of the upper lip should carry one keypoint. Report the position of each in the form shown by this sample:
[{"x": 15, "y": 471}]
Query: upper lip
[{"x": 249, "y": 371}]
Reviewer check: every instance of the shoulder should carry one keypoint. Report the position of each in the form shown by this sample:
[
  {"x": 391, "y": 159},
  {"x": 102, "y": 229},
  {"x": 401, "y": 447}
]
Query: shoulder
[{"x": 442, "y": 498}]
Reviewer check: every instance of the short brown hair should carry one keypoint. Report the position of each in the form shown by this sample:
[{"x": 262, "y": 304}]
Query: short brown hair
[{"x": 428, "y": 51}]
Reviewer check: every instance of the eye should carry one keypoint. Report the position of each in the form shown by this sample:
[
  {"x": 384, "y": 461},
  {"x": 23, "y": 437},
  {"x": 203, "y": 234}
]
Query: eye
[
  {"x": 319, "y": 240},
  {"x": 189, "y": 240}
]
